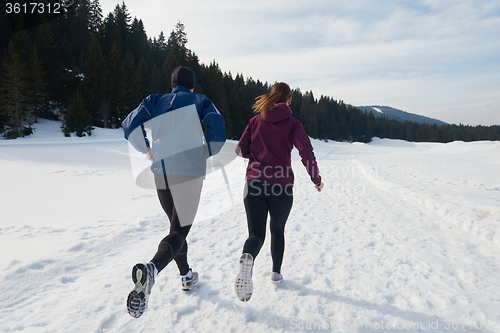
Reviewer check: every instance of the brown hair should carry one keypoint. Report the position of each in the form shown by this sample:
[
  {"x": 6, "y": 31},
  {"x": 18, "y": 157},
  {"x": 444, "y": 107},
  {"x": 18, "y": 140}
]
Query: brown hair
[{"x": 280, "y": 93}]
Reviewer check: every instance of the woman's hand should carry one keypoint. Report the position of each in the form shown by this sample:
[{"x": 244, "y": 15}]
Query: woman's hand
[{"x": 319, "y": 187}]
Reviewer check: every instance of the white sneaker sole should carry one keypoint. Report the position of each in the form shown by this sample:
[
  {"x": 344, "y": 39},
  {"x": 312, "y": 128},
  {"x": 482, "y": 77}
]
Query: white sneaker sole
[
  {"x": 137, "y": 300},
  {"x": 243, "y": 285}
]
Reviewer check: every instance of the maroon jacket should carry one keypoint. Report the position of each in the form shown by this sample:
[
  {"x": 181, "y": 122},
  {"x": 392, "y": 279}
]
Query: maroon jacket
[{"x": 268, "y": 144}]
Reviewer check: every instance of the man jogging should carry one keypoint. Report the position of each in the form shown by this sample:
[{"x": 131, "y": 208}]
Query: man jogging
[{"x": 186, "y": 129}]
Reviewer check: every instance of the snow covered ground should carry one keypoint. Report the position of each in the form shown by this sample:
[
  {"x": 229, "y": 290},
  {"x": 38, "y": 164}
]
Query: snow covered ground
[{"x": 405, "y": 237}]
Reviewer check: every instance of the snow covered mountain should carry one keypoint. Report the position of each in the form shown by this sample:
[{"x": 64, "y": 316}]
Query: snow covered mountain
[
  {"x": 405, "y": 237},
  {"x": 392, "y": 113}
]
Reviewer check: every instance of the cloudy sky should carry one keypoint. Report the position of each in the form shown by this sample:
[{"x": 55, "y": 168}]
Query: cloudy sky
[{"x": 438, "y": 58}]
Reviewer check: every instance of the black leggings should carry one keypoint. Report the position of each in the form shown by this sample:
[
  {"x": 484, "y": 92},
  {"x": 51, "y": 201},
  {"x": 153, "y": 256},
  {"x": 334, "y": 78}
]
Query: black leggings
[
  {"x": 174, "y": 245},
  {"x": 260, "y": 200}
]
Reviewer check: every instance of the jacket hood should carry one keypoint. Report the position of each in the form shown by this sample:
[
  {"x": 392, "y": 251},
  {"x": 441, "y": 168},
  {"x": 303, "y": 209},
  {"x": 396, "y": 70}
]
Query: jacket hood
[{"x": 280, "y": 111}]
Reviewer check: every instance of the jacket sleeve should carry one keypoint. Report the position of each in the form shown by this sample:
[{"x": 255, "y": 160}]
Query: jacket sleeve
[
  {"x": 212, "y": 123},
  {"x": 133, "y": 126},
  {"x": 243, "y": 147},
  {"x": 302, "y": 142}
]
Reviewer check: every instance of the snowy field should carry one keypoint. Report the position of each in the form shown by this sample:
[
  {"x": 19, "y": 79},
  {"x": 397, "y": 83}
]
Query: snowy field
[{"x": 405, "y": 237}]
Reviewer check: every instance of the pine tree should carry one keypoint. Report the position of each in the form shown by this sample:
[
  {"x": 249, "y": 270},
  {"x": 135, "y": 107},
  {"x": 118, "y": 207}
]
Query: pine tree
[
  {"x": 122, "y": 23},
  {"x": 313, "y": 126},
  {"x": 79, "y": 32},
  {"x": 323, "y": 117},
  {"x": 139, "y": 45},
  {"x": 410, "y": 132},
  {"x": 171, "y": 62},
  {"x": 52, "y": 62},
  {"x": 95, "y": 17},
  {"x": 109, "y": 34},
  {"x": 158, "y": 49},
  {"x": 159, "y": 82},
  {"x": 14, "y": 90},
  {"x": 77, "y": 120},
  {"x": 132, "y": 92},
  {"x": 162, "y": 42},
  {"x": 345, "y": 134},
  {"x": 21, "y": 45},
  {"x": 176, "y": 43},
  {"x": 296, "y": 103},
  {"x": 115, "y": 88},
  {"x": 37, "y": 86},
  {"x": 94, "y": 83},
  {"x": 369, "y": 127},
  {"x": 211, "y": 80},
  {"x": 144, "y": 76},
  {"x": 307, "y": 108},
  {"x": 65, "y": 52},
  {"x": 239, "y": 104}
]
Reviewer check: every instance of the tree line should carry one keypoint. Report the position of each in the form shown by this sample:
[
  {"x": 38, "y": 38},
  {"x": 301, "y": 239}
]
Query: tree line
[{"x": 89, "y": 70}]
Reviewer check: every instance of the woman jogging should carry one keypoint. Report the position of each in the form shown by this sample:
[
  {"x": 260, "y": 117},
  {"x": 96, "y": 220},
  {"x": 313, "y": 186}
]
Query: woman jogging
[{"x": 267, "y": 142}]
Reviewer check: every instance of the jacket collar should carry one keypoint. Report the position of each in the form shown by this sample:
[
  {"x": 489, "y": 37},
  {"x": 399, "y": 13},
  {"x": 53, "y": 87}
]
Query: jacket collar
[{"x": 180, "y": 88}]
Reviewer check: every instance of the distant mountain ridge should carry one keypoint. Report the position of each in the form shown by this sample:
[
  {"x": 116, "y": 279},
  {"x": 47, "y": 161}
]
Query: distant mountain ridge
[{"x": 400, "y": 115}]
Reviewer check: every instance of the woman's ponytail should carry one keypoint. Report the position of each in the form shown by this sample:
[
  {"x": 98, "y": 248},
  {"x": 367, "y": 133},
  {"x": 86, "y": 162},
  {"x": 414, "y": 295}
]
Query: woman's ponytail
[{"x": 280, "y": 93}]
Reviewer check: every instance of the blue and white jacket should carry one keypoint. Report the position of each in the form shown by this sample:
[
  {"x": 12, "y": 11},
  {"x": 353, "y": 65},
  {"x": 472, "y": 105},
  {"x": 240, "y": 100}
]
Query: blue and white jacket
[{"x": 186, "y": 129}]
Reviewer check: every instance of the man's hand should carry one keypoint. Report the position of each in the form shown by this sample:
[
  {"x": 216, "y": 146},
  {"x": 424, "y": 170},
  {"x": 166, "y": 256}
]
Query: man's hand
[
  {"x": 149, "y": 155},
  {"x": 319, "y": 187}
]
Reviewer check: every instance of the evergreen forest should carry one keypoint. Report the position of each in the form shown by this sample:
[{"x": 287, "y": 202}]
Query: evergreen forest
[{"x": 91, "y": 70}]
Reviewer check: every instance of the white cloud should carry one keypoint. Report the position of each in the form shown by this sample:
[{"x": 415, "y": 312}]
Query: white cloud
[{"x": 423, "y": 56}]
